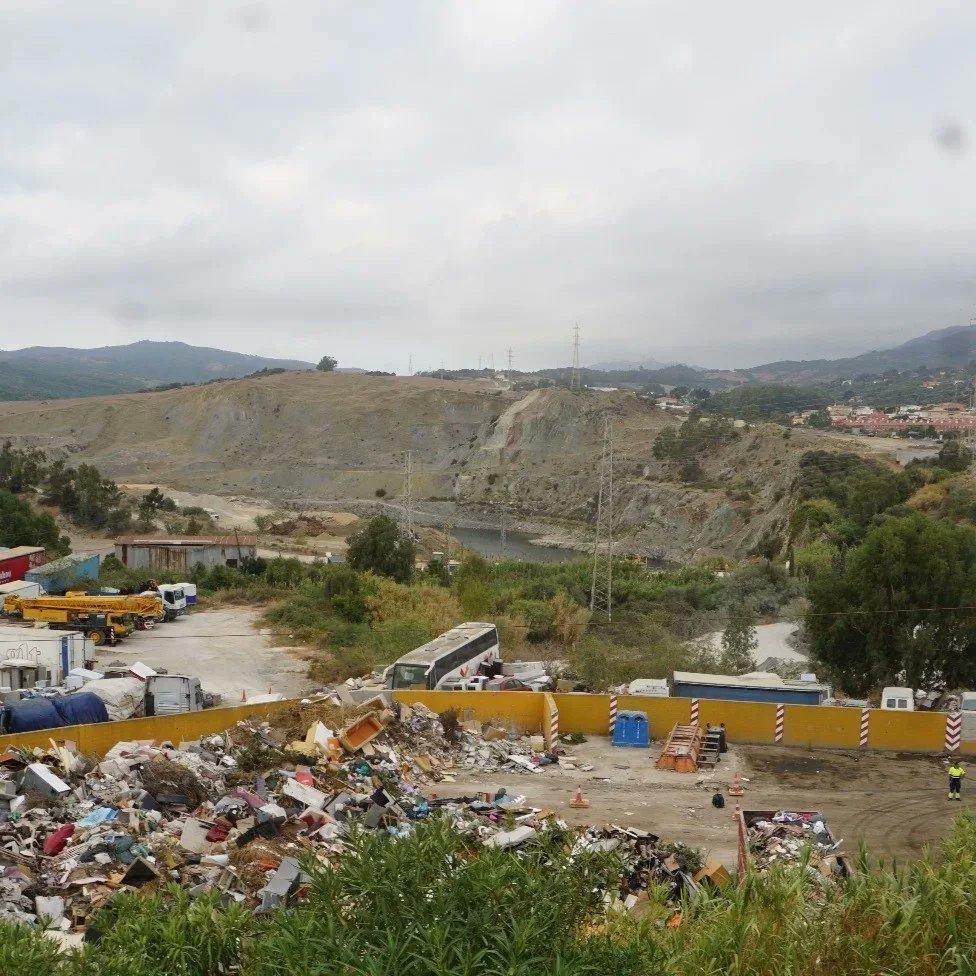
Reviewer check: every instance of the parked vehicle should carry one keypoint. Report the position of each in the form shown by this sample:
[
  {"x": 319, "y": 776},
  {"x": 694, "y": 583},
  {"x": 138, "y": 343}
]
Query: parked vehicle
[
  {"x": 60, "y": 613},
  {"x": 54, "y": 608},
  {"x": 508, "y": 684},
  {"x": 459, "y": 654},
  {"x": 898, "y": 699},
  {"x": 173, "y": 694}
]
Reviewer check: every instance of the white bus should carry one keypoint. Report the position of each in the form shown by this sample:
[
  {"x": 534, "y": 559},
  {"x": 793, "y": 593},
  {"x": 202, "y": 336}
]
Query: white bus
[{"x": 453, "y": 656}]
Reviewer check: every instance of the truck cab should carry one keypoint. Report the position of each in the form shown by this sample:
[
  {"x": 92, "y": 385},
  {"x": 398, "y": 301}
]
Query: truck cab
[
  {"x": 898, "y": 699},
  {"x": 173, "y": 597}
]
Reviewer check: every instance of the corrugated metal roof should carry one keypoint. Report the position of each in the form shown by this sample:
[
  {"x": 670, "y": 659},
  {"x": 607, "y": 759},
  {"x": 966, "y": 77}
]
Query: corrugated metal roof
[
  {"x": 65, "y": 562},
  {"x": 187, "y": 540}
]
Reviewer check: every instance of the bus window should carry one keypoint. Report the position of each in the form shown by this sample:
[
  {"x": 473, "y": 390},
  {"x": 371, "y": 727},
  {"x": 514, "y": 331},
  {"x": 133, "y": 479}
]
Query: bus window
[{"x": 410, "y": 676}]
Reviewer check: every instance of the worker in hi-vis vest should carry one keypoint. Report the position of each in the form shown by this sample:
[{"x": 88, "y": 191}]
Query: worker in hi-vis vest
[{"x": 956, "y": 773}]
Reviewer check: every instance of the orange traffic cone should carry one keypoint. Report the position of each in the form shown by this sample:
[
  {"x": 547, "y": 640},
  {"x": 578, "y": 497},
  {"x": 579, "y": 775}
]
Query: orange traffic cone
[
  {"x": 736, "y": 788},
  {"x": 579, "y": 802}
]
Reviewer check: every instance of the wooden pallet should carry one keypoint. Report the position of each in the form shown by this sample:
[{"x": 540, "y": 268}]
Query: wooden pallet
[{"x": 682, "y": 749}]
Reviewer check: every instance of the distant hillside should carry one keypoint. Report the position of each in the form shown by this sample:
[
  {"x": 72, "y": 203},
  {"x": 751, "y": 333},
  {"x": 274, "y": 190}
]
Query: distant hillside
[
  {"x": 953, "y": 347},
  {"x": 48, "y": 373}
]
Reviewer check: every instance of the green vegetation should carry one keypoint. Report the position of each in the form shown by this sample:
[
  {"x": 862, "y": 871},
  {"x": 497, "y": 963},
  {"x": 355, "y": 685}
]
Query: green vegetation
[
  {"x": 430, "y": 905},
  {"x": 766, "y": 401},
  {"x": 697, "y": 437},
  {"x": 327, "y": 364},
  {"x": 20, "y": 525},
  {"x": 381, "y": 547}
]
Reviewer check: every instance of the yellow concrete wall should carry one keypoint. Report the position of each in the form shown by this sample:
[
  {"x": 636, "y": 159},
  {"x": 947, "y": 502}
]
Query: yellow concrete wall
[
  {"x": 96, "y": 740},
  {"x": 813, "y": 726},
  {"x": 909, "y": 731},
  {"x": 520, "y": 710},
  {"x": 807, "y": 726},
  {"x": 744, "y": 721}
]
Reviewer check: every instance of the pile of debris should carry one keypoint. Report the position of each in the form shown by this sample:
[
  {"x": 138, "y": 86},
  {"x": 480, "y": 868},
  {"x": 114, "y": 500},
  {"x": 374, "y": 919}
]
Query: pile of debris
[
  {"x": 786, "y": 836},
  {"x": 236, "y": 812}
]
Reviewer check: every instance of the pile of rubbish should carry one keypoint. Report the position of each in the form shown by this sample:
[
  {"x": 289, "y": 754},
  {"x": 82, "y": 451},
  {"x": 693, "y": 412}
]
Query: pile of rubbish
[
  {"x": 237, "y": 812},
  {"x": 786, "y": 835}
]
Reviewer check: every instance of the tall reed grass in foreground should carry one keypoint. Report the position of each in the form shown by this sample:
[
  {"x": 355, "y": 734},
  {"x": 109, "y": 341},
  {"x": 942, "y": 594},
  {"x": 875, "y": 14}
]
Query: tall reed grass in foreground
[{"x": 431, "y": 905}]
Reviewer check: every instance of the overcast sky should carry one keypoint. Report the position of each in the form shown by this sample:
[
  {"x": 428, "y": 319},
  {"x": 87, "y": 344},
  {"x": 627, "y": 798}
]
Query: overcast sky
[{"x": 712, "y": 182}]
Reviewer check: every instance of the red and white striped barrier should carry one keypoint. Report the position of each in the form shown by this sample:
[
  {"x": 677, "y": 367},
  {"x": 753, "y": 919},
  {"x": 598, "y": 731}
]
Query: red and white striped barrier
[
  {"x": 613, "y": 714},
  {"x": 553, "y": 727},
  {"x": 865, "y": 724},
  {"x": 780, "y": 722},
  {"x": 694, "y": 711},
  {"x": 953, "y": 735}
]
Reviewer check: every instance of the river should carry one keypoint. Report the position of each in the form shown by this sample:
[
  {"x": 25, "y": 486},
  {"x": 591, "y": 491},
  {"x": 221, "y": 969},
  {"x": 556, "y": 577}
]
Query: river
[{"x": 518, "y": 545}]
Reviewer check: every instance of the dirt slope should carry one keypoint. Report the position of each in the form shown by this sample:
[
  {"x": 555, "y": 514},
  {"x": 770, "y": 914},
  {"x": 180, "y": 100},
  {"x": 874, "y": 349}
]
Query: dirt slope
[{"x": 314, "y": 439}]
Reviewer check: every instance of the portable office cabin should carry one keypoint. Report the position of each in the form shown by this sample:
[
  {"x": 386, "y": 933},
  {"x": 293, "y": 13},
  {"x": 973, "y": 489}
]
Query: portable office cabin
[
  {"x": 61, "y": 575},
  {"x": 176, "y": 553},
  {"x": 21, "y": 588},
  {"x": 760, "y": 686}
]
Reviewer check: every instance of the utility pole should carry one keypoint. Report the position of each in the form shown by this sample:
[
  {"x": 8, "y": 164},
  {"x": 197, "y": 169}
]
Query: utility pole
[
  {"x": 576, "y": 379},
  {"x": 410, "y": 366},
  {"x": 601, "y": 583},
  {"x": 408, "y": 492}
]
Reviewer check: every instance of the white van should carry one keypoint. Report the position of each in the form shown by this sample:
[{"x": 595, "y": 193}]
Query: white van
[{"x": 898, "y": 699}]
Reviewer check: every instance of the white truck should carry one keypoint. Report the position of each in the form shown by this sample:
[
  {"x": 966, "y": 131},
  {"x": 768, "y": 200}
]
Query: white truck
[
  {"x": 173, "y": 694},
  {"x": 55, "y": 651}
]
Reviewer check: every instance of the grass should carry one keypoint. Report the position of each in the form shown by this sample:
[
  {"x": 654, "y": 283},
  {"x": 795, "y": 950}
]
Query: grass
[{"x": 433, "y": 905}]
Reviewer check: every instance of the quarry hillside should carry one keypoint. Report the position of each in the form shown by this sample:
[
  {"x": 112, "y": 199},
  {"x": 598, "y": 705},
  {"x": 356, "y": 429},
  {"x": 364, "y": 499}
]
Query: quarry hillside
[{"x": 311, "y": 440}]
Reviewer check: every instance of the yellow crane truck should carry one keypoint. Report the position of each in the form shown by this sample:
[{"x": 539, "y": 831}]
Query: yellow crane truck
[
  {"x": 99, "y": 628},
  {"x": 104, "y": 620}
]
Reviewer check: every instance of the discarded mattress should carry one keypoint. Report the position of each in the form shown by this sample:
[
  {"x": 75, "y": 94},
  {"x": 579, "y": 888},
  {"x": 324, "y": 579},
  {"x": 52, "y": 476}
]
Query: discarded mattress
[{"x": 123, "y": 697}]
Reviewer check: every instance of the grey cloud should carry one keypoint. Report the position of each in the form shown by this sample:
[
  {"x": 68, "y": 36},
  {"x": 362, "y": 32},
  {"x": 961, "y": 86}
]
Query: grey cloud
[{"x": 719, "y": 184}]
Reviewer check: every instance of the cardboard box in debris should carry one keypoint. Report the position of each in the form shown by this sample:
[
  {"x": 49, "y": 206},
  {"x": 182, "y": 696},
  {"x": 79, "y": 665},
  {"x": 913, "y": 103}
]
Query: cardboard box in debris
[{"x": 237, "y": 812}]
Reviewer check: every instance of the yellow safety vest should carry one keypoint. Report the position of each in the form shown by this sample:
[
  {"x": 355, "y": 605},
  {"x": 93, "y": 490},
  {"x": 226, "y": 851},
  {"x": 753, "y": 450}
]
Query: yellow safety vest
[{"x": 957, "y": 772}]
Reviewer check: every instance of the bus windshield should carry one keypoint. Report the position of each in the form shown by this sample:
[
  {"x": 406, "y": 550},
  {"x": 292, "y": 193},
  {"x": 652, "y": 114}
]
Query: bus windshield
[{"x": 410, "y": 675}]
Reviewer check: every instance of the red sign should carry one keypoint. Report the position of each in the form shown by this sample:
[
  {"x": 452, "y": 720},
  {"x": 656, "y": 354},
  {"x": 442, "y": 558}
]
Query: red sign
[{"x": 14, "y": 568}]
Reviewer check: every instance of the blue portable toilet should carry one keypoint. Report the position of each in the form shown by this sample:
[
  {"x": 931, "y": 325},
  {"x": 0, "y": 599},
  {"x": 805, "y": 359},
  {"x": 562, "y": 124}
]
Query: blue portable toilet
[{"x": 632, "y": 730}]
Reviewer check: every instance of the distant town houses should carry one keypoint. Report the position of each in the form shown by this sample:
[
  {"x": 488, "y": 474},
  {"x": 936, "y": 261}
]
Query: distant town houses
[{"x": 942, "y": 417}]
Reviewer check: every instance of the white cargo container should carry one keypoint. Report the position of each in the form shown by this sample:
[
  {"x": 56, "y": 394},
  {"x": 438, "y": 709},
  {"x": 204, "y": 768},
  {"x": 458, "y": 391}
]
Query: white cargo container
[
  {"x": 21, "y": 588},
  {"x": 59, "y": 651}
]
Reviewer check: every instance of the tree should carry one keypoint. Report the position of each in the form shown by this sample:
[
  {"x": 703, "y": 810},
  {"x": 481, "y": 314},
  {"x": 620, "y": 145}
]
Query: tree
[
  {"x": 20, "y": 525},
  {"x": 327, "y": 364},
  {"x": 739, "y": 640},
  {"x": 954, "y": 456},
  {"x": 899, "y": 610},
  {"x": 381, "y": 547}
]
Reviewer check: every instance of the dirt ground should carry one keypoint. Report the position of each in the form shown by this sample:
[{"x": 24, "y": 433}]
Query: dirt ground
[
  {"x": 222, "y": 647},
  {"x": 895, "y": 803}
]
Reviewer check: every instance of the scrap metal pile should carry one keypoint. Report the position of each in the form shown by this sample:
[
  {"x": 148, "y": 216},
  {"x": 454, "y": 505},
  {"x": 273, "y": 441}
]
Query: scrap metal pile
[
  {"x": 787, "y": 836},
  {"x": 237, "y": 812}
]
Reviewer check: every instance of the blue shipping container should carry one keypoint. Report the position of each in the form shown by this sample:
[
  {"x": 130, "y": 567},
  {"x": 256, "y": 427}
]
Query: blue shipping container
[
  {"x": 62, "y": 574},
  {"x": 779, "y": 696}
]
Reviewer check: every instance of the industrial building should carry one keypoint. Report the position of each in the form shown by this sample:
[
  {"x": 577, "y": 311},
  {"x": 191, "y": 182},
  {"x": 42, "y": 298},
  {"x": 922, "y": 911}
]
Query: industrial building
[
  {"x": 759, "y": 686},
  {"x": 181, "y": 552}
]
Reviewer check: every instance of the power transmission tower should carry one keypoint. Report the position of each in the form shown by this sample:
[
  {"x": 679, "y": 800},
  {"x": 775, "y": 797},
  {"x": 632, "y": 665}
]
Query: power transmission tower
[
  {"x": 510, "y": 359},
  {"x": 410, "y": 366},
  {"x": 408, "y": 492},
  {"x": 576, "y": 380},
  {"x": 601, "y": 584}
]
